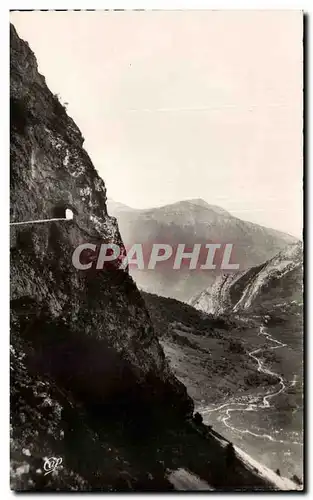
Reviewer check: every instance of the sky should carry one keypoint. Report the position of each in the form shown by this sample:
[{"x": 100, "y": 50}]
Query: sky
[{"x": 177, "y": 105}]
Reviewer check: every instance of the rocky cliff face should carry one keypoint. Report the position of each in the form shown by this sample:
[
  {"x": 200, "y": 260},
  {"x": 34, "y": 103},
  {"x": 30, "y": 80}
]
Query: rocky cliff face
[
  {"x": 82, "y": 341},
  {"x": 276, "y": 280}
]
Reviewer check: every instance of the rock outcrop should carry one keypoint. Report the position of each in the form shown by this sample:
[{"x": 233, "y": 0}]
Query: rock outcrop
[{"x": 276, "y": 280}]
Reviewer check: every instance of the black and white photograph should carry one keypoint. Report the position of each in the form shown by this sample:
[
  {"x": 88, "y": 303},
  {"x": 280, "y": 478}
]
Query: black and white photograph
[{"x": 156, "y": 251}]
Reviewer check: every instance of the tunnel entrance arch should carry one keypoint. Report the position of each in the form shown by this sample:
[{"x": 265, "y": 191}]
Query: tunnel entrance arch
[{"x": 64, "y": 211}]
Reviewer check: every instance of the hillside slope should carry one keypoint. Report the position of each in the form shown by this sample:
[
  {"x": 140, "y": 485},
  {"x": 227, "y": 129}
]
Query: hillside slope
[
  {"x": 244, "y": 346},
  {"x": 207, "y": 353},
  {"x": 245, "y": 373}
]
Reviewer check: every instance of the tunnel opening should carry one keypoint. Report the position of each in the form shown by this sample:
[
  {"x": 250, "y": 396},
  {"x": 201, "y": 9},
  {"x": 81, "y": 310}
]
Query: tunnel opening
[
  {"x": 69, "y": 214},
  {"x": 64, "y": 212}
]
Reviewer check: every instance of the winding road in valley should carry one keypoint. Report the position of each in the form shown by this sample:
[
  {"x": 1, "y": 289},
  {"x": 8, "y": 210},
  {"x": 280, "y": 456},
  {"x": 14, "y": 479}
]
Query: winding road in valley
[
  {"x": 257, "y": 402},
  {"x": 185, "y": 480}
]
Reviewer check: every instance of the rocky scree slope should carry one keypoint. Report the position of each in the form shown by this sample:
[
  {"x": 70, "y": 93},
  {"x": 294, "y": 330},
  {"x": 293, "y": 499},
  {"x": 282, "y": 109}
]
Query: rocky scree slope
[{"x": 278, "y": 280}]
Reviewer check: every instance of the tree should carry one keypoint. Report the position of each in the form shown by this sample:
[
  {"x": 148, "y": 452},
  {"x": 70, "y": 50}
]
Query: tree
[
  {"x": 296, "y": 479},
  {"x": 230, "y": 454},
  {"x": 197, "y": 418}
]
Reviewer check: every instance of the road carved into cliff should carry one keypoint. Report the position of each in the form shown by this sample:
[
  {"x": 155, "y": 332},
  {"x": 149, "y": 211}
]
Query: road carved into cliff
[
  {"x": 39, "y": 221},
  {"x": 68, "y": 216}
]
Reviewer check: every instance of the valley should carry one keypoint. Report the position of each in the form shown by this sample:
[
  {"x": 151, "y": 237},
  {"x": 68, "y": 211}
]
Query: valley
[
  {"x": 275, "y": 446},
  {"x": 244, "y": 373}
]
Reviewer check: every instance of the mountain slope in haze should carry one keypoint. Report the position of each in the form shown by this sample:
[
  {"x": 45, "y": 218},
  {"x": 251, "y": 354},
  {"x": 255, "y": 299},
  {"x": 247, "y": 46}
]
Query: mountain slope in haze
[
  {"x": 90, "y": 384},
  {"x": 190, "y": 222}
]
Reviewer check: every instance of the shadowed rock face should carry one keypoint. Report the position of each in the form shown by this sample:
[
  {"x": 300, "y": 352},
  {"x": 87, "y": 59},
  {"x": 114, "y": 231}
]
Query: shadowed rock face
[{"x": 82, "y": 341}]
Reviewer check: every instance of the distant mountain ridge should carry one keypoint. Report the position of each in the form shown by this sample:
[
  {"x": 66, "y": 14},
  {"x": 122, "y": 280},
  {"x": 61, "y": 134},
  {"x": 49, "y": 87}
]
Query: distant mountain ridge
[{"x": 189, "y": 222}]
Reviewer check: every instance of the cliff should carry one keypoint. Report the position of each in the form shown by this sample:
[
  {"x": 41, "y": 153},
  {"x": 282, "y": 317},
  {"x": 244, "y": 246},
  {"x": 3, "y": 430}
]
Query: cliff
[{"x": 80, "y": 339}]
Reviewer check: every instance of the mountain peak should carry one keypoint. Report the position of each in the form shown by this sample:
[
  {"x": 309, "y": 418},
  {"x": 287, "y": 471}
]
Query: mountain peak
[
  {"x": 188, "y": 204},
  {"x": 202, "y": 203},
  {"x": 198, "y": 201}
]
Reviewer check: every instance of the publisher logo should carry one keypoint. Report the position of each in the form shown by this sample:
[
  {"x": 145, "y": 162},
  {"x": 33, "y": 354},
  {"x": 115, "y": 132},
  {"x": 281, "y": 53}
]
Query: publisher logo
[{"x": 51, "y": 464}]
